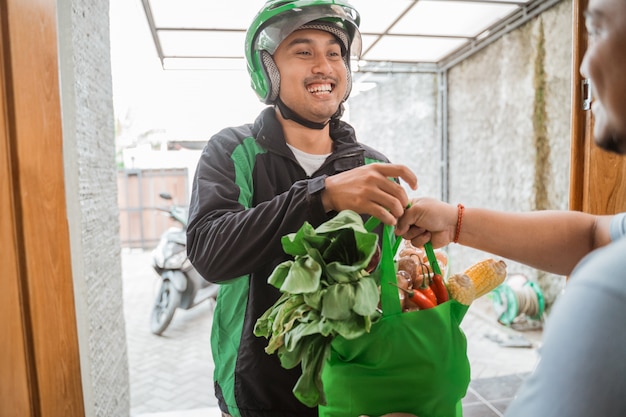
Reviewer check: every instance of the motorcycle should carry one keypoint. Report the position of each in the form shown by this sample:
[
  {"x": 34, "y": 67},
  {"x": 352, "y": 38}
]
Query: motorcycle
[{"x": 181, "y": 285}]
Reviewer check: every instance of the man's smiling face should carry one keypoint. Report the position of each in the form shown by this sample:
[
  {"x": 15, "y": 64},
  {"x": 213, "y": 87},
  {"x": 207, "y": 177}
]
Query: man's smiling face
[
  {"x": 313, "y": 74},
  {"x": 605, "y": 65}
]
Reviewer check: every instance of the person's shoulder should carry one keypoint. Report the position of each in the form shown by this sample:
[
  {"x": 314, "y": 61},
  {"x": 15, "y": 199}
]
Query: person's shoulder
[
  {"x": 606, "y": 257},
  {"x": 344, "y": 133},
  {"x": 373, "y": 155},
  {"x": 235, "y": 132},
  {"x": 227, "y": 139},
  {"x": 246, "y": 130},
  {"x": 232, "y": 136},
  {"x": 604, "y": 267}
]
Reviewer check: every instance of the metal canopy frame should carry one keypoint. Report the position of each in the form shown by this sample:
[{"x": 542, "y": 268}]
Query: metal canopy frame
[{"x": 402, "y": 28}]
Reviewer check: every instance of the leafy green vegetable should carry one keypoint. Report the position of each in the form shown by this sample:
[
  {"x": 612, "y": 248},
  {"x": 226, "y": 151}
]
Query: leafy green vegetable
[{"x": 325, "y": 292}]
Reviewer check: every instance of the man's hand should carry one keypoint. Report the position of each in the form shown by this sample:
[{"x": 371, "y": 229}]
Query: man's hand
[
  {"x": 370, "y": 190},
  {"x": 426, "y": 220}
]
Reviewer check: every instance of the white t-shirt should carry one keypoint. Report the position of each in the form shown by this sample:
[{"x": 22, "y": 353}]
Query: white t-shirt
[{"x": 309, "y": 162}]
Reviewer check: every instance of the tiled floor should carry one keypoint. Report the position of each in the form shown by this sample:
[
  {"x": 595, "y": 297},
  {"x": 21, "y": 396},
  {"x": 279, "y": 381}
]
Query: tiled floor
[
  {"x": 198, "y": 412},
  {"x": 489, "y": 397}
]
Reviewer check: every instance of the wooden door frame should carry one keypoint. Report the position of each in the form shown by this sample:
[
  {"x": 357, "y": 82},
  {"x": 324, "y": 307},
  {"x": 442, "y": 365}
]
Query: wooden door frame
[
  {"x": 15, "y": 360},
  {"x": 597, "y": 177},
  {"x": 580, "y": 118},
  {"x": 40, "y": 364}
]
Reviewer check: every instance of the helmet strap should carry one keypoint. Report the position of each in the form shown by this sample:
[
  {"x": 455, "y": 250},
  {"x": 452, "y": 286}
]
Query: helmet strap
[{"x": 289, "y": 114}]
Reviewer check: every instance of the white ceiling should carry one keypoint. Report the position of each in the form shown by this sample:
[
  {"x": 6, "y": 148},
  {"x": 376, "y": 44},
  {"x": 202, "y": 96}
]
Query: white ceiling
[{"x": 398, "y": 35}]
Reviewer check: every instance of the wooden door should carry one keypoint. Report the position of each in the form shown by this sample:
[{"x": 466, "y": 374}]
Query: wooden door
[
  {"x": 39, "y": 361},
  {"x": 15, "y": 396},
  {"x": 597, "y": 178}
]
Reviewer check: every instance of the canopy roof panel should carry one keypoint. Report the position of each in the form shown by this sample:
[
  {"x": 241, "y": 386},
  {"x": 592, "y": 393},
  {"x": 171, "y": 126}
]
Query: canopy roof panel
[{"x": 398, "y": 35}]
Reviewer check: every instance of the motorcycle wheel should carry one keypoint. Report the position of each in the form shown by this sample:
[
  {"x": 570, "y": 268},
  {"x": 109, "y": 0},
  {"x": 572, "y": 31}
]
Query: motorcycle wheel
[{"x": 165, "y": 305}]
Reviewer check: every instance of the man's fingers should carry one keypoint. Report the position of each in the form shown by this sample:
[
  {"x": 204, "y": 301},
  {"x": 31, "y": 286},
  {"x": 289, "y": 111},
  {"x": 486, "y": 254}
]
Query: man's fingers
[
  {"x": 370, "y": 190},
  {"x": 384, "y": 215},
  {"x": 411, "y": 180},
  {"x": 398, "y": 171},
  {"x": 391, "y": 199}
]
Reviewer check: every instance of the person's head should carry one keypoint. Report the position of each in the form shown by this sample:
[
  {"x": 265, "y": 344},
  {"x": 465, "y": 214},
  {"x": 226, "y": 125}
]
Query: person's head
[
  {"x": 605, "y": 65},
  {"x": 298, "y": 54}
]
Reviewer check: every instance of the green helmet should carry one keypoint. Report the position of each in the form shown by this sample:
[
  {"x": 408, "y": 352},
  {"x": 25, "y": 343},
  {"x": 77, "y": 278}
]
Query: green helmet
[{"x": 278, "y": 19}]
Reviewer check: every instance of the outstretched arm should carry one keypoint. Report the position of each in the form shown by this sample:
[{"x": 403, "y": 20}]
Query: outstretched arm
[{"x": 550, "y": 240}]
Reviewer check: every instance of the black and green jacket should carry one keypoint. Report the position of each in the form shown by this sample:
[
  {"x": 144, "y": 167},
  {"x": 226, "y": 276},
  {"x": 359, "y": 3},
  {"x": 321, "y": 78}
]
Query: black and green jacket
[{"x": 248, "y": 192}]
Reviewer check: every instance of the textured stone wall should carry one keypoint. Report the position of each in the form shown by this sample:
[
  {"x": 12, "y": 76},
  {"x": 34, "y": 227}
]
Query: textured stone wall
[
  {"x": 89, "y": 151},
  {"x": 508, "y": 126},
  {"x": 399, "y": 118},
  {"x": 509, "y": 113}
]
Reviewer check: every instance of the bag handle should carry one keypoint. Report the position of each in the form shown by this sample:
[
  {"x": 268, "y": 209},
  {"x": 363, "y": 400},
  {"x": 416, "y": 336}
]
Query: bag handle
[
  {"x": 432, "y": 259},
  {"x": 389, "y": 297}
]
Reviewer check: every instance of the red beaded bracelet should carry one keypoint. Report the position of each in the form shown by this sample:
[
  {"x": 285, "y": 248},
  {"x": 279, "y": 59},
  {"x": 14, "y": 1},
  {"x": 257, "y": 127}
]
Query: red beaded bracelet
[{"x": 459, "y": 222}]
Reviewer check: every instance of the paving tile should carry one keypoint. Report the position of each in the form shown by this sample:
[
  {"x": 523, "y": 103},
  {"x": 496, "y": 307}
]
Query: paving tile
[
  {"x": 501, "y": 405},
  {"x": 471, "y": 398},
  {"x": 480, "y": 410},
  {"x": 497, "y": 388},
  {"x": 171, "y": 372}
]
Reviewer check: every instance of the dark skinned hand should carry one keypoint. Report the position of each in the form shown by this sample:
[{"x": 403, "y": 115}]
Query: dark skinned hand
[{"x": 370, "y": 190}]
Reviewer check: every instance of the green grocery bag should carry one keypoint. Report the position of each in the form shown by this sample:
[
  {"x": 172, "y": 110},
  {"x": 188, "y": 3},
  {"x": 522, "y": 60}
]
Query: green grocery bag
[{"x": 413, "y": 362}]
